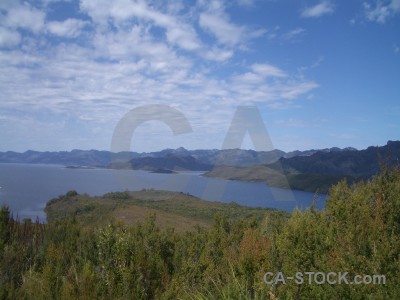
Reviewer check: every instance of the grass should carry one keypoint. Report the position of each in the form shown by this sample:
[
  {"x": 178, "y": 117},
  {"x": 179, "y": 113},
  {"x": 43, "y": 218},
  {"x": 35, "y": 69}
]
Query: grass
[{"x": 172, "y": 209}]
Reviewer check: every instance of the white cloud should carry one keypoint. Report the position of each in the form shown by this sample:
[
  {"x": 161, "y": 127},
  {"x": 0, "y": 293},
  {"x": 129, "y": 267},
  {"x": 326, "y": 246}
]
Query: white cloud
[
  {"x": 177, "y": 32},
  {"x": 72, "y": 82},
  {"x": 227, "y": 33},
  {"x": 267, "y": 70},
  {"x": 54, "y": 1},
  {"x": 133, "y": 56},
  {"x": 25, "y": 17},
  {"x": 218, "y": 54},
  {"x": 269, "y": 85},
  {"x": 138, "y": 44},
  {"x": 318, "y": 10},
  {"x": 68, "y": 28},
  {"x": 294, "y": 33},
  {"x": 218, "y": 23},
  {"x": 184, "y": 36},
  {"x": 9, "y": 38},
  {"x": 380, "y": 12},
  {"x": 294, "y": 90}
]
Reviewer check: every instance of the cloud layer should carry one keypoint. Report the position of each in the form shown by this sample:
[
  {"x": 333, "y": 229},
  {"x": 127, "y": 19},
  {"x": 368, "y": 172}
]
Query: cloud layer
[
  {"x": 381, "y": 11},
  {"x": 80, "y": 73},
  {"x": 318, "y": 10}
]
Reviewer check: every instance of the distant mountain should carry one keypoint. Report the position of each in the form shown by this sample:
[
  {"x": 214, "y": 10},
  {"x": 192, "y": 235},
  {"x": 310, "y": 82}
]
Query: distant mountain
[
  {"x": 169, "y": 162},
  {"x": 229, "y": 157},
  {"x": 178, "y": 158},
  {"x": 363, "y": 163},
  {"x": 312, "y": 151},
  {"x": 74, "y": 157},
  {"x": 95, "y": 158},
  {"x": 318, "y": 170},
  {"x": 261, "y": 173},
  {"x": 239, "y": 157},
  {"x": 309, "y": 170}
]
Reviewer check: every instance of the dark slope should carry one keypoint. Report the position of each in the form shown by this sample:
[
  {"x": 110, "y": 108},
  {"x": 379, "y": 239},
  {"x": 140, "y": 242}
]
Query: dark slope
[
  {"x": 359, "y": 164},
  {"x": 318, "y": 171}
]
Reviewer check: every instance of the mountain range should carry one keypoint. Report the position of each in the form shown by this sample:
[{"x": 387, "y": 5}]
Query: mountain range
[
  {"x": 362, "y": 163},
  {"x": 318, "y": 171},
  {"x": 311, "y": 170},
  {"x": 213, "y": 157}
]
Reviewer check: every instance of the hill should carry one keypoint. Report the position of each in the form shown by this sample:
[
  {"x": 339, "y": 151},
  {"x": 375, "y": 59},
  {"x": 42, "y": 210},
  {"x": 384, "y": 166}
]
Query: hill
[
  {"x": 355, "y": 237},
  {"x": 318, "y": 171},
  {"x": 358, "y": 164},
  {"x": 264, "y": 174},
  {"x": 172, "y": 209}
]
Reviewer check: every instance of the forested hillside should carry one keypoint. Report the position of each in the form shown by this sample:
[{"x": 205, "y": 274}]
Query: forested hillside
[
  {"x": 318, "y": 171},
  {"x": 358, "y": 233}
]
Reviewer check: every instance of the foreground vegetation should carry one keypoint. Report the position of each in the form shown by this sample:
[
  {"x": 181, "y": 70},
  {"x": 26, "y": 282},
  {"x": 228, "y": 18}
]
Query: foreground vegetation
[{"x": 358, "y": 233}]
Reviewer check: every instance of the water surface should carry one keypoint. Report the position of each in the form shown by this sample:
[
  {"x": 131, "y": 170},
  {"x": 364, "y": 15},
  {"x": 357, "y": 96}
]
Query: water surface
[{"x": 26, "y": 188}]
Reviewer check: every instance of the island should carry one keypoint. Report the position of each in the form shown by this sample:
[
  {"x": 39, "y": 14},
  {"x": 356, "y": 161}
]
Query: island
[{"x": 163, "y": 171}]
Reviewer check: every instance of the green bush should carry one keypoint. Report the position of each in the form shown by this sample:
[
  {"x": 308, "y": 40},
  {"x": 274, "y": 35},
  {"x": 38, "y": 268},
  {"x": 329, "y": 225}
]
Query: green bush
[{"x": 358, "y": 232}]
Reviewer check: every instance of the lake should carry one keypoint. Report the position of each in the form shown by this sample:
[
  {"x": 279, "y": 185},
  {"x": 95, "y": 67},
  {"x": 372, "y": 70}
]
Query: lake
[{"x": 26, "y": 188}]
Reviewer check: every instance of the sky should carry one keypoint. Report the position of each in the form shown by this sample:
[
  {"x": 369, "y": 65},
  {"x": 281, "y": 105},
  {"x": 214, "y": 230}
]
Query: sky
[{"x": 319, "y": 73}]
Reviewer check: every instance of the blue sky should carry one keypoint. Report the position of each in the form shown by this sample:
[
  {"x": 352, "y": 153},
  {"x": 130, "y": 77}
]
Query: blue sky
[{"x": 322, "y": 73}]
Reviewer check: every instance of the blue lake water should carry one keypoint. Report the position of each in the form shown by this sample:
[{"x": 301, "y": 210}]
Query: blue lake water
[{"x": 26, "y": 188}]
